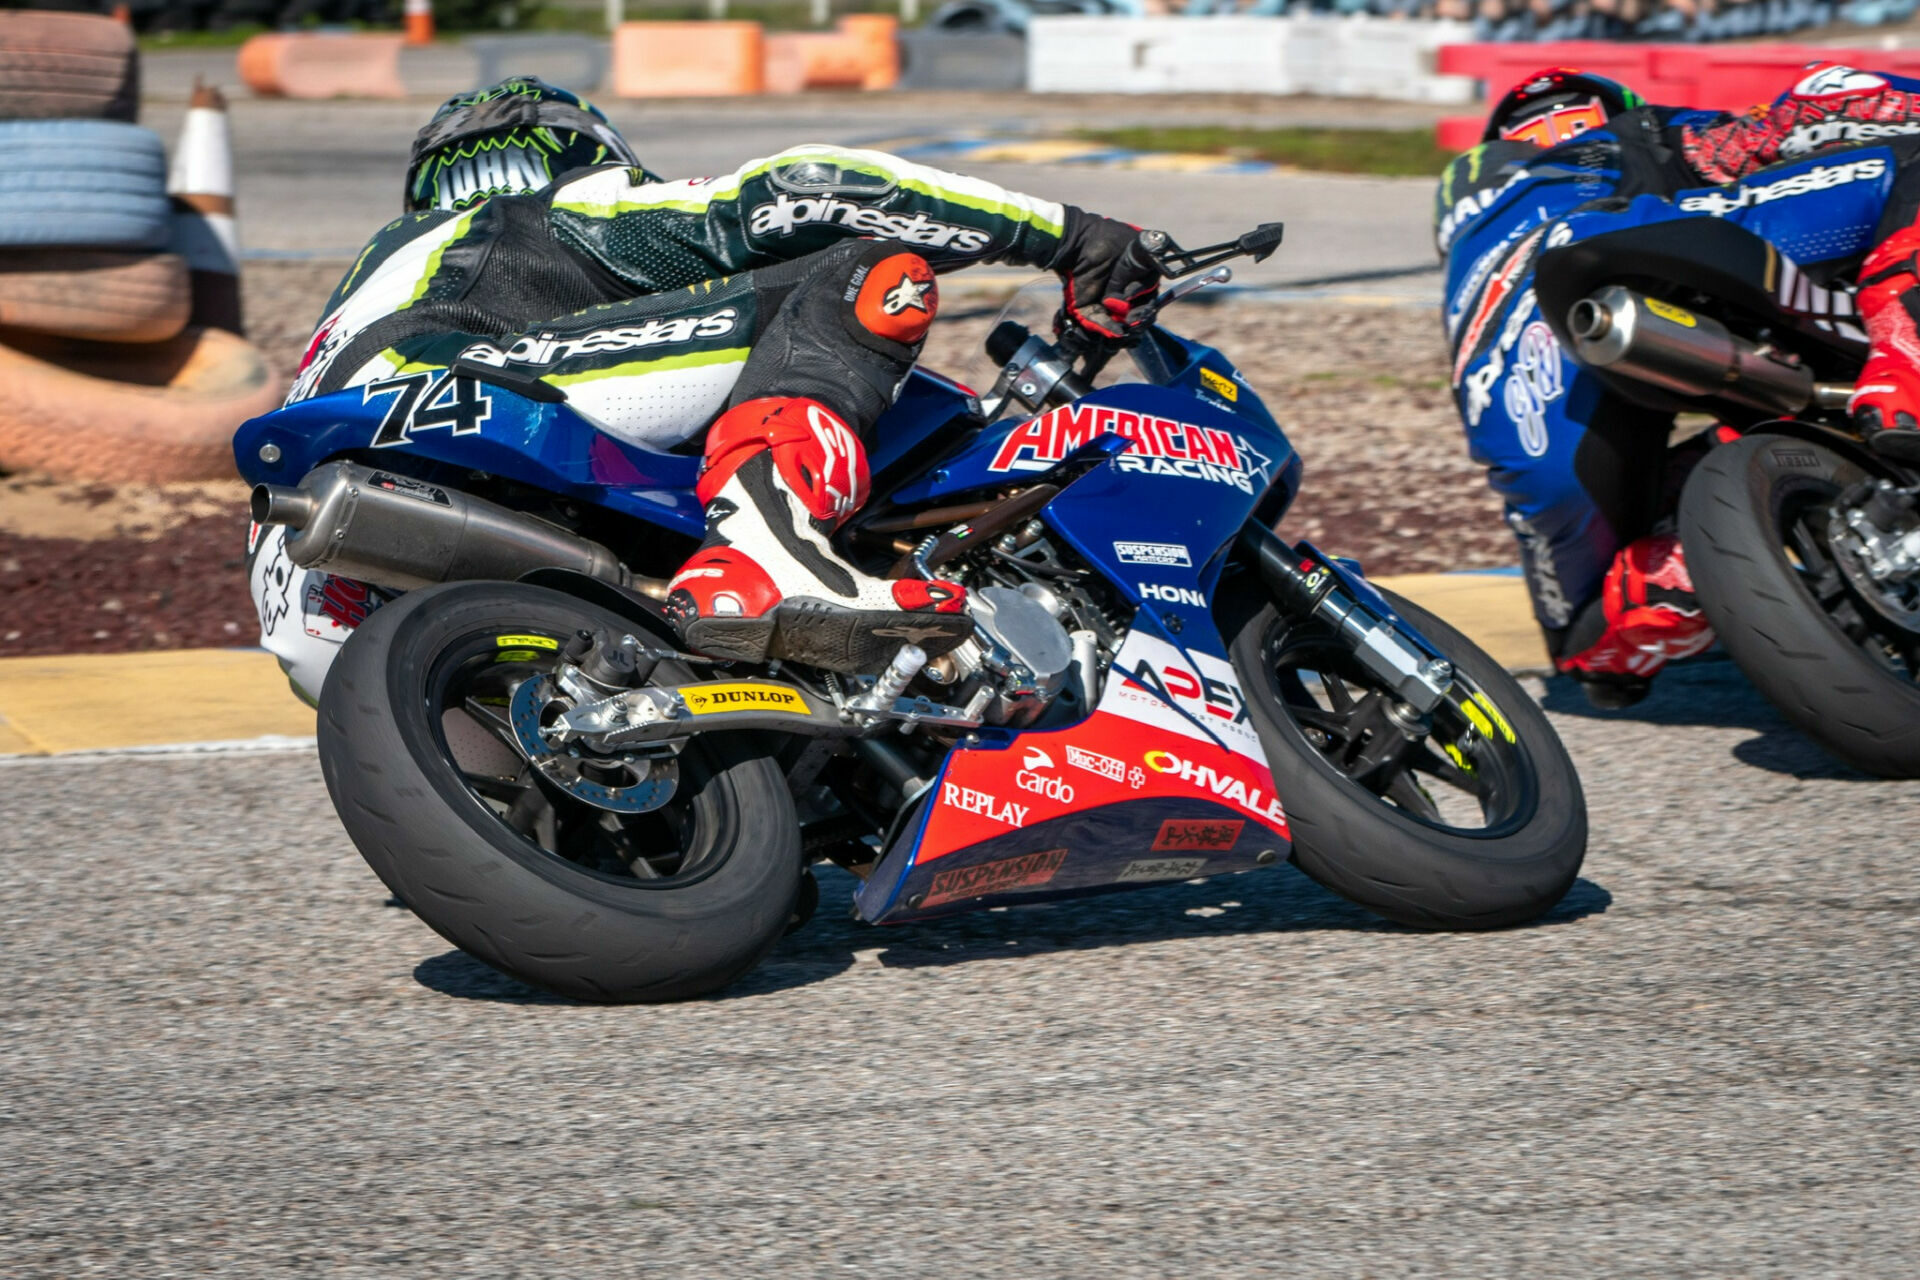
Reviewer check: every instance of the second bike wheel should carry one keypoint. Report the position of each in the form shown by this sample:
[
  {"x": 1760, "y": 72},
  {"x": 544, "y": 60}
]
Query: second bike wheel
[{"x": 1754, "y": 522}]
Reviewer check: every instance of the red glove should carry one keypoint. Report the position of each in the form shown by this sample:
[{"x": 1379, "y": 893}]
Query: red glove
[
  {"x": 1106, "y": 272},
  {"x": 1652, "y": 616},
  {"x": 1886, "y": 407}
]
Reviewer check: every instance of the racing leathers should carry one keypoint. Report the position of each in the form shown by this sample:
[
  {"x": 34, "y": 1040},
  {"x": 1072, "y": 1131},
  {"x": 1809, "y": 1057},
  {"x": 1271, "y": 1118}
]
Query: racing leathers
[
  {"x": 1829, "y": 175},
  {"x": 788, "y": 300}
]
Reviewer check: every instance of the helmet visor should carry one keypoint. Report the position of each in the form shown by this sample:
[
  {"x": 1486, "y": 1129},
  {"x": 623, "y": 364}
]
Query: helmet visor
[{"x": 1556, "y": 123}]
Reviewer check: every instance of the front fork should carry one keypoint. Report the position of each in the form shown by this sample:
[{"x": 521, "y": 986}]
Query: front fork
[{"x": 1307, "y": 584}]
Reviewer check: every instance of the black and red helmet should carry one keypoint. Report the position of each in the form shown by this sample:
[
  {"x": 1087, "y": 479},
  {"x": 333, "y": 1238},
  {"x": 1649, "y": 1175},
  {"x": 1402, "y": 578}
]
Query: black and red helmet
[{"x": 1550, "y": 106}]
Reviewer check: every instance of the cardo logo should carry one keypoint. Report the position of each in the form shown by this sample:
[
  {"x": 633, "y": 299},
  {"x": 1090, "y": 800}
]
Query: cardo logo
[
  {"x": 1819, "y": 178},
  {"x": 1031, "y": 779},
  {"x": 1225, "y": 786},
  {"x": 1172, "y": 595},
  {"x": 786, "y": 215}
]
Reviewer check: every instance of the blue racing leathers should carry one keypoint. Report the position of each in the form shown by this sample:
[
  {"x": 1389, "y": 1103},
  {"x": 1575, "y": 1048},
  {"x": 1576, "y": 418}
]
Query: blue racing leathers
[{"x": 1581, "y": 471}]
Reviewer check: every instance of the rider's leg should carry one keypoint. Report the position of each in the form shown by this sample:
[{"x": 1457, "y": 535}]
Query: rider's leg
[
  {"x": 786, "y": 467},
  {"x": 1886, "y": 403},
  {"x": 1589, "y": 490}
]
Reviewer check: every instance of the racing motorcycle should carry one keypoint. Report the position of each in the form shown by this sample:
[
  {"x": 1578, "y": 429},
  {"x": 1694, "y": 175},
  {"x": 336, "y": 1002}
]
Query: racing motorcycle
[
  {"x": 1158, "y": 687},
  {"x": 1803, "y": 544}
]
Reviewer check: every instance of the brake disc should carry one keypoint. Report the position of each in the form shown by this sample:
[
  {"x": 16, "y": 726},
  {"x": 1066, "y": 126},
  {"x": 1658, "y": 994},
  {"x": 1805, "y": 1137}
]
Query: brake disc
[
  {"x": 1881, "y": 572},
  {"x": 628, "y": 782}
]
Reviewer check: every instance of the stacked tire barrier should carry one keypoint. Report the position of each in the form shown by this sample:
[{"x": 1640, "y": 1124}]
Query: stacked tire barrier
[{"x": 120, "y": 349}]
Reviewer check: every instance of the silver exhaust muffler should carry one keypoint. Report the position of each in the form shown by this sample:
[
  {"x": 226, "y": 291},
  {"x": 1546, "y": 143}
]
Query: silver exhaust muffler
[
  {"x": 395, "y": 531},
  {"x": 1656, "y": 342}
]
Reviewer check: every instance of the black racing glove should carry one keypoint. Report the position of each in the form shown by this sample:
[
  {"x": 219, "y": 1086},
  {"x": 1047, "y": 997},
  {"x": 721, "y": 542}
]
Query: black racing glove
[{"x": 1108, "y": 275}]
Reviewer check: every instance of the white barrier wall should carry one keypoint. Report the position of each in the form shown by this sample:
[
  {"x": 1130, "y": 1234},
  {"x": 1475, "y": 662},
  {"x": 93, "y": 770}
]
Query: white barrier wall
[{"x": 1342, "y": 57}]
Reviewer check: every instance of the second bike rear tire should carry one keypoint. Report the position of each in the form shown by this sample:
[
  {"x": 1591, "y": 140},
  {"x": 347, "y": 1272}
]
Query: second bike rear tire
[{"x": 1830, "y": 688}]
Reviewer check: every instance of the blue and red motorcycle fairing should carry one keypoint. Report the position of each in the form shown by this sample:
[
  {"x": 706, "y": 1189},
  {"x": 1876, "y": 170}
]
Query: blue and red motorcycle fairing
[{"x": 1123, "y": 524}]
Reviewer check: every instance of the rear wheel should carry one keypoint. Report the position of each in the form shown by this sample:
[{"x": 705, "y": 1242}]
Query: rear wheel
[
  {"x": 503, "y": 859},
  {"x": 1473, "y": 820},
  {"x": 1756, "y": 520}
]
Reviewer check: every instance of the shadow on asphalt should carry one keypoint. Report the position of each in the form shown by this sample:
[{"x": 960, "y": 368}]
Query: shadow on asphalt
[
  {"x": 1710, "y": 691},
  {"x": 1275, "y": 902}
]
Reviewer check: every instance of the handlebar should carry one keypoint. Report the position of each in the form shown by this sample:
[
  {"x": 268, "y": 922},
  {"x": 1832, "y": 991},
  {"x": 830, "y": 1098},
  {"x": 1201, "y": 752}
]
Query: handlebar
[{"x": 1038, "y": 373}]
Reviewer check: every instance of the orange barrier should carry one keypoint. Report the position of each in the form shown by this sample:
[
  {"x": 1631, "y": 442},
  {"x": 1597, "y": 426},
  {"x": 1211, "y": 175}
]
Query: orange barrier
[
  {"x": 1713, "y": 77},
  {"x": 322, "y": 65},
  {"x": 880, "y": 34},
  {"x": 814, "y": 61},
  {"x": 688, "y": 59}
]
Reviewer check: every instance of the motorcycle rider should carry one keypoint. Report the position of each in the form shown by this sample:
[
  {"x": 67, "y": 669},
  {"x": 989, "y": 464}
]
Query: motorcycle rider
[
  {"x": 777, "y": 309},
  {"x": 1588, "y": 481}
]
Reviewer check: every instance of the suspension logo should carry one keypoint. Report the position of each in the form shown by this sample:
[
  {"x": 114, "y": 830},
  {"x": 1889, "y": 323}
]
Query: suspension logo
[
  {"x": 785, "y": 215},
  {"x": 1161, "y": 446}
]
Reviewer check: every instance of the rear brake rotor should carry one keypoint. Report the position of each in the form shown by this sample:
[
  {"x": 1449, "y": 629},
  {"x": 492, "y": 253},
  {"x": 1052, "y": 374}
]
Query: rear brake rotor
[{"x": 625, "y": 783}]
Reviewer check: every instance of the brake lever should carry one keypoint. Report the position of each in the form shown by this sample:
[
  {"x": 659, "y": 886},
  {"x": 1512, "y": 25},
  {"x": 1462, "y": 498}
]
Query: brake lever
[{"x": 1174, "y": 262}]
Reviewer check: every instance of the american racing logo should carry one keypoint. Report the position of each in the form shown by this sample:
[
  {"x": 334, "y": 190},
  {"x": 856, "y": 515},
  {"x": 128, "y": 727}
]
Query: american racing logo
[
  {"x": 1028, "y": 871},
  {"x": 786, "y": 214},
  {"x": 967, "y": 800},
  {"x": 1171, "y": 554},
  {"x": 1820, "y": 178},
  {"x": 1161, "y": 446},
  {"x": 547, "y": 348},
  {"x": 1224, "y": 786}
]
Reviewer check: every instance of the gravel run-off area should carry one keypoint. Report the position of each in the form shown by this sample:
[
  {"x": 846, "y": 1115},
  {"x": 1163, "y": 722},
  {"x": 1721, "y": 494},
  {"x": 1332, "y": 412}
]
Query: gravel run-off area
[{"x": 1361, "y": 389}]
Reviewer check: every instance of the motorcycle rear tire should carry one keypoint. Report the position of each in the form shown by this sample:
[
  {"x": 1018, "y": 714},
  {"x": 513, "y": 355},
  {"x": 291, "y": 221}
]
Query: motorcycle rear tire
[
  {"x": 1382, "y": 858},
  {"x": 1829, "y": 687},
  {"x": 494, "y": 893}
]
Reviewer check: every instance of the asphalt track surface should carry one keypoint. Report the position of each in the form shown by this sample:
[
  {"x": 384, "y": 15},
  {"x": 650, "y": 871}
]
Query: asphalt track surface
[{"x": 224, "y": 1056}]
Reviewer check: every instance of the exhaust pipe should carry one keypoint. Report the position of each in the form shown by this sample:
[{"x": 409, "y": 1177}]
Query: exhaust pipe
[
  {"x": 1656, "y": 342},
  {"x": 395, "y": 531}
]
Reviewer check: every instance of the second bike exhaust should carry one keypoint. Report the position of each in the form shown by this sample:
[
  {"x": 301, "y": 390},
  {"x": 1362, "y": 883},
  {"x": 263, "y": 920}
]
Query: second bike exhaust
[
  {"x": 1656, "y": 342},
  {"x": 395, "y": 531}
]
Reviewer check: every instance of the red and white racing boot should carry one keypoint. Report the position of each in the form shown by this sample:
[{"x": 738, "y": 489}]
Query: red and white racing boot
[
  {"x": 1886, "y": 399},
  {"x": 1652, "y": 617},
  {"x": 782, "y": 473}
]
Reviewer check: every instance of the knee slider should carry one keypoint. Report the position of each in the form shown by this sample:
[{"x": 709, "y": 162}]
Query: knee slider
[{"x": 895, "y": 297}]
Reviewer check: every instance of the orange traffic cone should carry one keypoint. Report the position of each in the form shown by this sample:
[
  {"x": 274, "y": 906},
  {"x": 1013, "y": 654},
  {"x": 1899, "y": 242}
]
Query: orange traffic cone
[
  {"x": 419, "y": 18},
  {"x": 203, "y": 229}
]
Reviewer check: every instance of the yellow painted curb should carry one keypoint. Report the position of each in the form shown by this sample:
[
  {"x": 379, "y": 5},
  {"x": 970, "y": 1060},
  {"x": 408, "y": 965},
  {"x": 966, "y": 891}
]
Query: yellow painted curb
[
  {"x": 109, "y": 701},
  {"x": 106, "y": 702}
]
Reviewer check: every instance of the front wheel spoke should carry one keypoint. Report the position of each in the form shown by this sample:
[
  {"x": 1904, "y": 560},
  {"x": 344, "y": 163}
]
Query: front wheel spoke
[{"x": 1441, "y": 769}]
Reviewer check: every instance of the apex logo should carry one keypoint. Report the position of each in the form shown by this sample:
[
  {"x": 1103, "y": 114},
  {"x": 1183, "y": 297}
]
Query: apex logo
[{"x": 1172, "y": 595}]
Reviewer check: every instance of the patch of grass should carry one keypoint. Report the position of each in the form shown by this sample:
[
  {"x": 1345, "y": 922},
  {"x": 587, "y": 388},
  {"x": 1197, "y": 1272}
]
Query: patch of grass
[{"x": 1388, "y": 152}]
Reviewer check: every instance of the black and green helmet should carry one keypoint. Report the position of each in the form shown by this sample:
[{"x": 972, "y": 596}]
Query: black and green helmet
[{"x": 514, "y": 136}]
